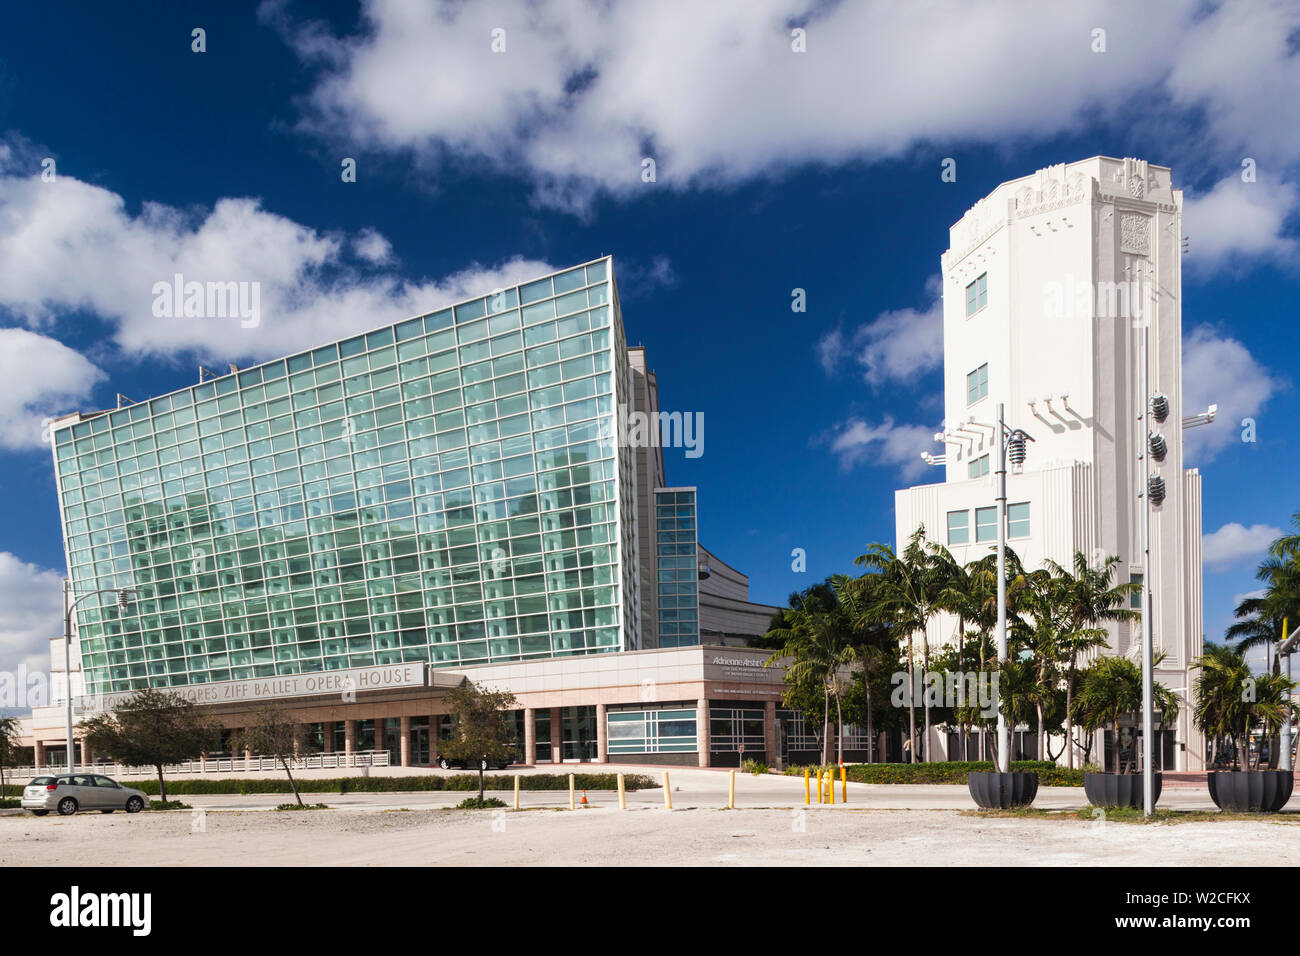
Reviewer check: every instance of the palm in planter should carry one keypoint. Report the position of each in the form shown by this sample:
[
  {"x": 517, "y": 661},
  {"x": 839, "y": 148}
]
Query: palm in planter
[
  {"x": 1110, "y": 689},
  {"x": 1231, "y": 701}
]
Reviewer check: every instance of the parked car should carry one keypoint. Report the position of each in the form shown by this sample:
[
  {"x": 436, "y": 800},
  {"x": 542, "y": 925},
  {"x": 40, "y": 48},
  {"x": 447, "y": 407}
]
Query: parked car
[
  {"x": 68, "y": 793},
  {"x": 447, "y": 763}
]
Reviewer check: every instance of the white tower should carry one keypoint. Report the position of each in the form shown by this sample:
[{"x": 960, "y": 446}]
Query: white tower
[{"x": 1047, "y": 285}]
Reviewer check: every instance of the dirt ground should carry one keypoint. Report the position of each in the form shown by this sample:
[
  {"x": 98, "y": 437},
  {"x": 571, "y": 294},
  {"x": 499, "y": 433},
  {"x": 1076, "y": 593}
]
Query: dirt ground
[{"x": 609, "y": 837}]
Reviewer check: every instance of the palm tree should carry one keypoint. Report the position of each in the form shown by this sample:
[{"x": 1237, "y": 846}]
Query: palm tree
[
  {"x": 1044, "y": 624},
  {"x": 814, "y": 637},
  {"x": 1111, "y": 688},
  {"x": 904, "y": 598},
  {"x": 1090, "y": 600},
  {"x": 855, "y": 600},
  {"x": 1231, "y": 699}
]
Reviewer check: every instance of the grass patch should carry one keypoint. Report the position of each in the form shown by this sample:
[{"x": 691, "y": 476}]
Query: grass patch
[
  {"x": 474, "y": 803},
  {"x": 302, "y": 806},
  {"x": 168, "y": 805},
  {"x": 1134, "y": 815},
  {"x": 952, "y": 772},
  {"x": 466, "y": 782}
]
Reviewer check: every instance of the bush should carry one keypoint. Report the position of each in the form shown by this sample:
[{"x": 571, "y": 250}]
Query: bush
[
  {"x": 474, "y": 803},
  {"x": 459, "y": 782},
  {"x": 948, "y": 772},
  {"x": 302, "y": 806},
  {"x": 168, "y": 805},
  {"x": 754, "y": 766}
]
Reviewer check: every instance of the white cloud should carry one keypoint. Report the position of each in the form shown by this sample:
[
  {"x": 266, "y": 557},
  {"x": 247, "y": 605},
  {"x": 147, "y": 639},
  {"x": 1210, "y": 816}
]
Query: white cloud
[
  {"x": 38, "y": 377},
  {"x": 714, "y": 93},
  {"x": 373, "y": 247},
  {"x": 897, "y": 346},
  {"x": 31, "y": 612},
  {"x": 857, "y": 441},
  {"x": 1220, "y": 370},
  {"x": 1237, "y": 219},
  {"x": 1234, "y": 543},
  {"x": 70, "y": 245}
]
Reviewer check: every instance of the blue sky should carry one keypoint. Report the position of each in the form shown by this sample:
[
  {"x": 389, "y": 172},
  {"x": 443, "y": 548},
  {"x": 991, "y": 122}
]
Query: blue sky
[{"x": 775, "y": 170}]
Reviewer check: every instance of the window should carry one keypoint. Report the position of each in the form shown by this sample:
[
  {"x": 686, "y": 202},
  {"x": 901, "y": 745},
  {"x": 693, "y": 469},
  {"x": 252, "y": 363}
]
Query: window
[
  {"x": 977, "y": 384},
  {"x": 977, "y": 294},
  {"x": 1135, "y": 599},
  {"x": 1018, "y": 520},
  {"x": 986, "y": 524},
  {"x": 979, "y": 467},
  {"x": 958, "y": 527}
]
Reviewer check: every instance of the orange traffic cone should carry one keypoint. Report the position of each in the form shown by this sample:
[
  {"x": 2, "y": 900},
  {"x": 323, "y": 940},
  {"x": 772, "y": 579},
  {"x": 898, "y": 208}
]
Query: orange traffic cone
[{"x": 584, "y": 798}]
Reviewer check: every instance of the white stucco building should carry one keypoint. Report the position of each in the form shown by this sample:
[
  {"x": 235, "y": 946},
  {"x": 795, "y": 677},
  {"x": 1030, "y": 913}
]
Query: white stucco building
[{"x": 1047, "y": 283}]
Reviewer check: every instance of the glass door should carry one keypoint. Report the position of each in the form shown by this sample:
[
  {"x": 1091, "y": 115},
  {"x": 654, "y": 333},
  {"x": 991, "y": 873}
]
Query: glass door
[{"x": 420, "y": 746}]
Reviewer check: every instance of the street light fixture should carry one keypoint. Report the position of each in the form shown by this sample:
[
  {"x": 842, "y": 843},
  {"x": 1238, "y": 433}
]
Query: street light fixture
[{"x": 124, "y": 596}]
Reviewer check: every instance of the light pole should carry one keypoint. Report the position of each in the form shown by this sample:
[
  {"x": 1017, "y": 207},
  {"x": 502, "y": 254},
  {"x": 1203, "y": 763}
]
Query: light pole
[
  {"x": 124, "y": 596},
  {"x": 1013, "y": 441},
  {"x": 1286, "y": 648},
  {"x": 1150, "y": 494}
]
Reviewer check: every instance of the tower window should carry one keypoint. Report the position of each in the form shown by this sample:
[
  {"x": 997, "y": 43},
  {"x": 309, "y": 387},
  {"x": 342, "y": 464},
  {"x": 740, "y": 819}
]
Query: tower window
[
  {"x": 977, "y": 294},
  {"x": 979, "y": 467},
  {"x": 977, "y": 384}
]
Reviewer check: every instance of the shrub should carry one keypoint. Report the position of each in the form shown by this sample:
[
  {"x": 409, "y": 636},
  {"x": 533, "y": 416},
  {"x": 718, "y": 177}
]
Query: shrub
[
  {"x": 952, "y": 772},
  {"x": 457, "y": 782},
  {"x": 168, "y": 805},
  {"x": 302, "y": 806},
  {"x": 754, "y": 766},
  {"x": 474, "y": 803}
]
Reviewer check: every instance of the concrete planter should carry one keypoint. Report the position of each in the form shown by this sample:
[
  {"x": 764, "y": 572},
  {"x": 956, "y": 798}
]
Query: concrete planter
[
  {"x": 1000, "y": 791},
  {"x": 1251, "y": 791},
  {"x": 1116, "y": 789}
]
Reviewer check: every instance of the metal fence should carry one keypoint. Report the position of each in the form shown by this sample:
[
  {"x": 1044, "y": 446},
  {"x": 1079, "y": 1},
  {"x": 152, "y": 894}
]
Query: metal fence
[{"x": 218, "y": 764}]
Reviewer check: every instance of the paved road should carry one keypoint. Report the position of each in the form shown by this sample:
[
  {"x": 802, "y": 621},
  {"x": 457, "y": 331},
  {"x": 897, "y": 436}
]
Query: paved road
[
  {"x": 706, "y": 789},
  {"x": 694, "y": 789}
]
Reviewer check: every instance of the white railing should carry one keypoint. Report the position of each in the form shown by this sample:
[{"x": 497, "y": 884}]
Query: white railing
[{"x": 334, "y": 761}]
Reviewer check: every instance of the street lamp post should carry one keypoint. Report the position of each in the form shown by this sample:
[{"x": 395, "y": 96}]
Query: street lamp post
[
  {"x": 1012, "y": 440},
  {"x": 124, "y": 596}
]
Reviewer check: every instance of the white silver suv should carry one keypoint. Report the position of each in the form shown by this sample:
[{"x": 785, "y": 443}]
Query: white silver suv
[{"x": 67, "y": 793}]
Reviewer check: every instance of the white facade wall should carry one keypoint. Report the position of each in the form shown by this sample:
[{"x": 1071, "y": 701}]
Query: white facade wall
[{"x": 1077, "y": 257}]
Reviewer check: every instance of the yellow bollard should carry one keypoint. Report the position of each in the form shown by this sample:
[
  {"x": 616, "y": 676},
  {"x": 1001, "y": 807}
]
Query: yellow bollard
[
  {"x": 830, "y": 785},
  {"x": 731, "y": 792},
  {"x": 668, "y": 792},
  {"x": 844, "y": 786},
  {"x": 821, "y": 786},
  {"x": 622, "y": 794},
  {"x": 807, "y": 787},
  {"x": 516, "y": 791},
  {"x": 571, "y": 806}
]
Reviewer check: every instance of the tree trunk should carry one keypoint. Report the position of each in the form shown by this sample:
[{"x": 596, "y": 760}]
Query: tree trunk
[
  {"x": 826, "y": 722},
  {"x": 839, "y": 729},
  {"x": 480, "y": 781},
  {"x": 1115, "y": 744},
  {"x": 911, "y": 700},
  {"x": 925, "y": 701},
  {"x": 292, "y": 784},
  {"x": 1038, "y": 742},
  {"x": 871, "y": 736},
  {"x": 1069, "y": 722},
  {"x": 162, "y": 785}
]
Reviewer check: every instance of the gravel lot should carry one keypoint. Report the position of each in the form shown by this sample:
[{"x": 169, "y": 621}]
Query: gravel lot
[{"x": 608, "y": 837}]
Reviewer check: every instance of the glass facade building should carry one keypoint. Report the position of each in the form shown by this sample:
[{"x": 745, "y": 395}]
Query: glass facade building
[
  {"x": 677, "y": 544},
  {"x": 449, "y": 489}
]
